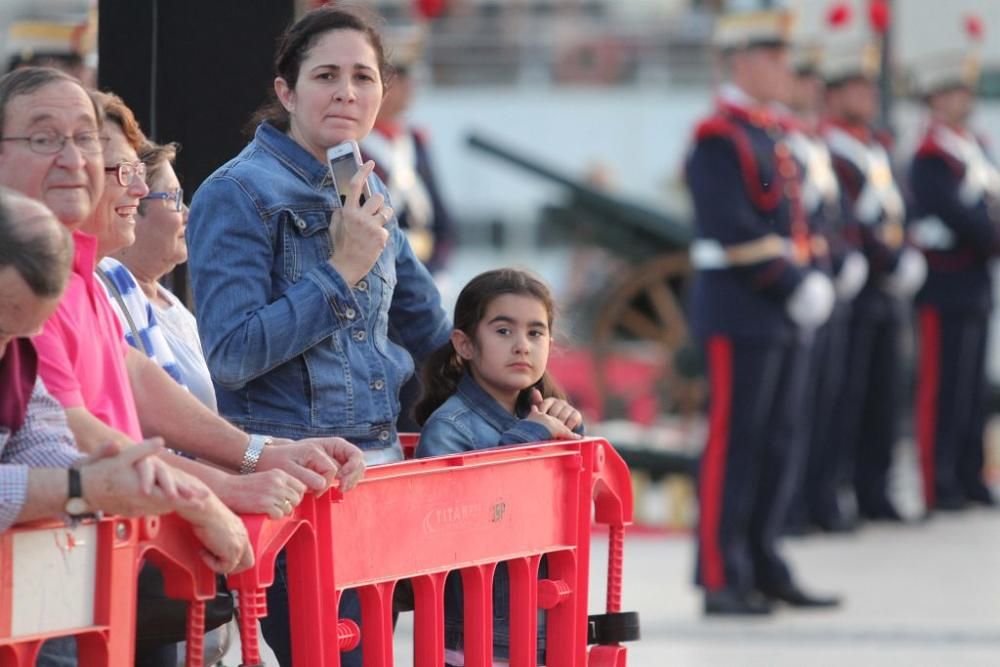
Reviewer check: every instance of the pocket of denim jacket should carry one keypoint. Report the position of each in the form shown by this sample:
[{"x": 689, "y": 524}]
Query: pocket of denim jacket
[{"x": 306, "y": 241}]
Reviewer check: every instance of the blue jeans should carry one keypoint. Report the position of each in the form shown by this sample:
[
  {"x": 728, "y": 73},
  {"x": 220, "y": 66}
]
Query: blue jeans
[
  {"x": 277, "y": 628},
  {"x": 58, "y": 652}
]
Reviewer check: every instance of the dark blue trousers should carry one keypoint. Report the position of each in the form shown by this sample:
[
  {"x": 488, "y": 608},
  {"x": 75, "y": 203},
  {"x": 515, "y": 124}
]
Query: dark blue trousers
[
  {"x": 751, "y": 462},
  {"x": 866, "y": 423},
  {"x": 828, "y": 370},
  {"x": 951, "y": 402}
]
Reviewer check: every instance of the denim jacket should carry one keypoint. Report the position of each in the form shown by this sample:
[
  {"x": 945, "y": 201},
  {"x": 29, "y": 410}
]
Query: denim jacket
[
  {"x": 472, "y": 419},
  {"x": 293, "y": 349}
]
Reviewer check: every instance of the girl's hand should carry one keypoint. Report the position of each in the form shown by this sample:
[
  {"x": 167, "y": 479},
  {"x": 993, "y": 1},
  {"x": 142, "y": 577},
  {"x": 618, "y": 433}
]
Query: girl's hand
[
  {"x": 357, "y": 233},
  {"x": 557, "y": 408},
  {"x": 557, "y": 429}
]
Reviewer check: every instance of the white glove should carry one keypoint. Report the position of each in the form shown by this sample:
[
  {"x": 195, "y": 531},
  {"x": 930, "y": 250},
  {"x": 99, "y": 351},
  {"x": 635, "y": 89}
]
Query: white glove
[
  {"x": 911, "y": 270},
  {"x": 810, "y": 304},
  {"x": 852, "y": 277}
]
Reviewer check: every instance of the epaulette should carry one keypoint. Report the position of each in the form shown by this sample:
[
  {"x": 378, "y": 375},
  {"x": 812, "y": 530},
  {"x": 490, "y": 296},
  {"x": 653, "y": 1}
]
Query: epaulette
[
  {"x": 765, "y": 199},
  {"x": 714, "y": 126},
  {"x": 930, "y": 148}
]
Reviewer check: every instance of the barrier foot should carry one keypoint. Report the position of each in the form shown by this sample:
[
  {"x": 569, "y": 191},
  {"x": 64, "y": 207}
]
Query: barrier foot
[
  {"x": 607, "y": 656},
  {"x": 196, "y": 633},
  {"x": 253, "y": 605}
]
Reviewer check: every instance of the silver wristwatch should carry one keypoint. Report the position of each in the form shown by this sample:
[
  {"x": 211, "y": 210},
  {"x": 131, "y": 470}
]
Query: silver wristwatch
[{"x": 252, "y": 454}]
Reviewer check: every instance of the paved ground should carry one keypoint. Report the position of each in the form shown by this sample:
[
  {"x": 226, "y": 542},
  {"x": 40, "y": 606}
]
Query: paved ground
[{"x": 926, "y": 593}]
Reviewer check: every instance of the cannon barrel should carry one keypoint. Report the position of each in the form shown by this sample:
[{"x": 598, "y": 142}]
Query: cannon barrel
[{"x": 626, "y": 228}]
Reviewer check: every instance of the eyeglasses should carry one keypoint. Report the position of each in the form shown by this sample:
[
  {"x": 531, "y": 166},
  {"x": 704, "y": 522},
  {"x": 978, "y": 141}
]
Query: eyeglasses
[
  {"x": 174, "y": 201},
  {"x": 50, "y": 143},
  {"x": 126, "y": 172}
]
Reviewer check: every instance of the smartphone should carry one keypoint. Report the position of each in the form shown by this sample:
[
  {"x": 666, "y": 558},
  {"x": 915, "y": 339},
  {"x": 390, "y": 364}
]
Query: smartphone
[{"x": 345, "y": 160}]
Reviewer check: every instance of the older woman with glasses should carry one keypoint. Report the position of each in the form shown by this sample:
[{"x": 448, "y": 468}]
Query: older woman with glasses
[
  {"x": 159, "y": 247},
  {"x": 113, "y": 223}
]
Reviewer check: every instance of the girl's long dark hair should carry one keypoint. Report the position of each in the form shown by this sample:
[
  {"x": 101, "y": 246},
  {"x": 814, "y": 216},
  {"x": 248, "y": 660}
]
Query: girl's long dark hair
[{"x": 443, "y": 369}]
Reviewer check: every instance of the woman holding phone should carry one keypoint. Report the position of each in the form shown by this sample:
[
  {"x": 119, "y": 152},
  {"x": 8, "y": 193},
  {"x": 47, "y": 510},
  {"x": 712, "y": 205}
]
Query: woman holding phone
[{"x": 295, "y": 293}]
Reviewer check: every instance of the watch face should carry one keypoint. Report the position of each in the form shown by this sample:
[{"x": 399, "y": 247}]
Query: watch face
[{"x": 77, "y": 506}]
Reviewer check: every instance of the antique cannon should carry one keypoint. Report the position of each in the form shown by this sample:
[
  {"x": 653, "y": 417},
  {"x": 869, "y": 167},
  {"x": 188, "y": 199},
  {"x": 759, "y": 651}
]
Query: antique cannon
[{"x": 643, "y": 303}]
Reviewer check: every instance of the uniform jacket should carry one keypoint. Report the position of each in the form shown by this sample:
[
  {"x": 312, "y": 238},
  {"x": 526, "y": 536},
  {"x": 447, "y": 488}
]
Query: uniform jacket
[
  {"x": 873, "y": 208},
  {"x": 956, "y": 193},
  {"x": 744, "y": 185}
]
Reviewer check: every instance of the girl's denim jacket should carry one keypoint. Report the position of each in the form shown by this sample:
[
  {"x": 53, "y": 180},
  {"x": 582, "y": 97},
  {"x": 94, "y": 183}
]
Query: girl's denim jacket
[
  {"x": 472, "y": 419},
  {"x": 293, "y": 349}
]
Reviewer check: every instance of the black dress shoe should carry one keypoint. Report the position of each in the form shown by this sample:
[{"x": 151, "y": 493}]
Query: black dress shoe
[
  {"x": 732, "y": 603},
  {"x": 835, "y": 523},
  {"x": 980, "y": 493},
  {"x": 796, "y": 597},
  {"x": 950, "y": 502},
  {"x": 880, "y": 511}
]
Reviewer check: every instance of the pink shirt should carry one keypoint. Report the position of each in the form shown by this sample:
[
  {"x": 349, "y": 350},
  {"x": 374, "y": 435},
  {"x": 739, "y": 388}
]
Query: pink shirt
[{"x": 81, "y": 350}]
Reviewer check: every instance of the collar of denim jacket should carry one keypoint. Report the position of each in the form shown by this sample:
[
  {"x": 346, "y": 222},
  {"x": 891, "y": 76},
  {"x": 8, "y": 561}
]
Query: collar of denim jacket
[
  {"x": 485, "y": 405},
  {"x": 288, "y": 151}
]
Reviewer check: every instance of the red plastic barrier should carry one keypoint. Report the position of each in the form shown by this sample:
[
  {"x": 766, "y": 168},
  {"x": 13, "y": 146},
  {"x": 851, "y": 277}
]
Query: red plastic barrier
[
  {"x": 418, "y": 520},
  {"x": 415, "y": 520}
]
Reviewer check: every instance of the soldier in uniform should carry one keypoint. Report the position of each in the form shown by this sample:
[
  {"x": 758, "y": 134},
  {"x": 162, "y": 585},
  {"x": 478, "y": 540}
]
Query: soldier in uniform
[
  {"x": 816, "y": 503},
  {"x": 402, "y": 159},
  {"x": 752, "y": 295},
  {"x": 956, "y": 191},
  {"x": 873, "y": 208}
]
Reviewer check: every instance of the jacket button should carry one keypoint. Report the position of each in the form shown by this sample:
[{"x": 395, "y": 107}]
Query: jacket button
[
  {"x": 378, "y": 384},
  {"x": 383, "y": 435},
  {"x": 349, "y": 313},
  {"x": 359, "y": 335},
  {"x": 300, "y": 223},
  {"x": 362, "y": 285}
]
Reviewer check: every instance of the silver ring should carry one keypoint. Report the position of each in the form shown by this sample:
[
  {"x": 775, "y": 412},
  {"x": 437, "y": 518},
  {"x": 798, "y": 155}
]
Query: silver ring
[
  {"x": 385, "y": 215},
  {"x": 288, "y": 506}
]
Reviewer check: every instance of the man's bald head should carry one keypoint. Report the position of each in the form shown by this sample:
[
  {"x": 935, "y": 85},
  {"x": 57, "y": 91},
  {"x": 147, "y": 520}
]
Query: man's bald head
[{"x": 34, "y": 244}]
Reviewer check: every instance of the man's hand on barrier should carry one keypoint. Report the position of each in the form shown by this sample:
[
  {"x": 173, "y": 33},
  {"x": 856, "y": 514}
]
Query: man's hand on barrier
[
  {"x": 316, "y": 462},
  {"x": 558, "y": 408},
  {"x": 223, "y": 535},
  {"x": 271, "y": 492},
  {"x": 132, "y": 481}
]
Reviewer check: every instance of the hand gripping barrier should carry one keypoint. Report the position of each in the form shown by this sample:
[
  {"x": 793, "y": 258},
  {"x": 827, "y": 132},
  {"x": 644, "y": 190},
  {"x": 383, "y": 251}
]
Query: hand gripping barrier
[{"x": 418, "y": 520}]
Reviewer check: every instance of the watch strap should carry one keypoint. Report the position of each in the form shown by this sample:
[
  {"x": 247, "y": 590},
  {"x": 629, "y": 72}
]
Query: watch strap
[
  {"x": 252, "y": 454},
  {"x": 75, "y": 484}
]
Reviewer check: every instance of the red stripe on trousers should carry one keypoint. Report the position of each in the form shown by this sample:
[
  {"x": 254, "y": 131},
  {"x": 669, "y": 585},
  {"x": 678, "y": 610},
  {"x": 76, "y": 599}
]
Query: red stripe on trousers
[
  {"x": 928, "y": 386},
  {"x": 713, "y": 464}
]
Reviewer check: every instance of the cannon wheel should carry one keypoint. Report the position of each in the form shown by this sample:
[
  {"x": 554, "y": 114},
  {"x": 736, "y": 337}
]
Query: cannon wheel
[{"x": 644, "y": 307}]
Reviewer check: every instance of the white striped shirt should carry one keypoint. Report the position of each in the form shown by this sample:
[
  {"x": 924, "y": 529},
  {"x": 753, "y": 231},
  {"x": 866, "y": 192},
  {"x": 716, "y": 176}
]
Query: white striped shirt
[{"x": 43, "y": 441}]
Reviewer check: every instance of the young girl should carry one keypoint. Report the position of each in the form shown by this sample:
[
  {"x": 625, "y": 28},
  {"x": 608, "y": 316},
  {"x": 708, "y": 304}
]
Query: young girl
[{"x": 488, "y": 387}]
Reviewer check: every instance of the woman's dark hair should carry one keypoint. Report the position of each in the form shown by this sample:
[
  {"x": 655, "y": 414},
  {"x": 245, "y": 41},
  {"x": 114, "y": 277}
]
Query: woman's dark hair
[
  {"x": 295, "y": 43},
  {"x": 444, "y": 368}
]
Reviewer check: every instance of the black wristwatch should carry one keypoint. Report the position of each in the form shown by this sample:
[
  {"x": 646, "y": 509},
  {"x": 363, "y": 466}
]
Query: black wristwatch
[{"x": 77, "y": 507}]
